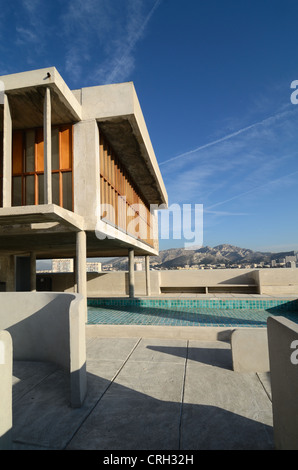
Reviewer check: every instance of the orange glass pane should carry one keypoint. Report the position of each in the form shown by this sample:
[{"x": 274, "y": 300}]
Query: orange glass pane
[
  {"x": 65, "y": 148},
  {"x": 39, "y": 150},
  {"x": 1, "y": 153},
  {"x": 17, "y": 152}
]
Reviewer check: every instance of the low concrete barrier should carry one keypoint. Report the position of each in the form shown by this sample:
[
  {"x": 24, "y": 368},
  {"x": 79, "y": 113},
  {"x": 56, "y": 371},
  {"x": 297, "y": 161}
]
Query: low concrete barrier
[
  {"x": 5, "y": 391},
  {"x": 48, "y": 327},
  {"x": 283, "y": 356},
  {"x": 277, "y": 281},
  {"x": 250, "y": 350}
]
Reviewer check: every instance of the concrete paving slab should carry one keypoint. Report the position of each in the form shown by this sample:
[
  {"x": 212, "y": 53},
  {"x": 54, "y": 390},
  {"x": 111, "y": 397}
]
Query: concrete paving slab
[
  {"x": 43, "y": 418},
  {"x": 25, "y": 376},
  {"x": 107, "y": 349},
  {"x": 210, "y": 353},
  {"x": 160, "y": 350},
  {"x": 148, "y": 394},
  {"x": 162, "y": 381},
  {"x": 224, "y": 409},
  {"x": 128, "y": 420}
]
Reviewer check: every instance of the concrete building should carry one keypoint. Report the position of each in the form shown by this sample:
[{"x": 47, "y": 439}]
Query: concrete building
[{"x": 78, "y": 174}]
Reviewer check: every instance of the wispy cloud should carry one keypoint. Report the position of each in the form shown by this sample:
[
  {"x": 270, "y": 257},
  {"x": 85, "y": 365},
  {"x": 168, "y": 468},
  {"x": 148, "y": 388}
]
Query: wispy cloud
[
  {"x": 232, "y": 173},
  {"x": 122, "y": 62},
  {"x": 32, "y": 28},
  {"x": 111, "y": 30},
  {"x": 266, "y": 121},
  {"x": 255, "y": 189}
]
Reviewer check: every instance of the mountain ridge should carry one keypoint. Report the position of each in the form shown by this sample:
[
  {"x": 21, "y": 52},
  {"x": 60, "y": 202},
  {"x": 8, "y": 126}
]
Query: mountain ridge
[{"x": 220, "y": 254}]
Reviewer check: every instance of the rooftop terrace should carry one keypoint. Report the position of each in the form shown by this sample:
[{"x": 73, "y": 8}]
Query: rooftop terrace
[{"x": 145, "y": 394}]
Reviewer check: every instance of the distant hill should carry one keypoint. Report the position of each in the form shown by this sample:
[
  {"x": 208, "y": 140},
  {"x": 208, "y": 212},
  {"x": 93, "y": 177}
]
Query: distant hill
[{"x": 221, "y": 254}]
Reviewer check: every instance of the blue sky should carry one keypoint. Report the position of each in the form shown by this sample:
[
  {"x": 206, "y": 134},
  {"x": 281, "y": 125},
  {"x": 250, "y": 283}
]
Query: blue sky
[{"x": 214, "y": 82}]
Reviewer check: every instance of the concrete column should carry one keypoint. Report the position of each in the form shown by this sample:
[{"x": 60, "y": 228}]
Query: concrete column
[
  {"x": 11, "y": 281},
  {"x": 7, "y": 153},
  {"x": 75, "y": 275},
  {"x": 33, "y": 272},
  {"x": 47, "y": 127},
  {"x": 131, "y": 272},
  {"x": 147, "y": 274},
  {"x": 81, "y": 266}
]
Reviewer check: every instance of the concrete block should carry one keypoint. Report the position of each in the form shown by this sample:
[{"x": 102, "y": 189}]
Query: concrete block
[
  {"x": 250, "y": 350},
  {"x": 283, "y": 347},
  {"x": 5, "y": 391},
  {"x": 48, "y": 327}
]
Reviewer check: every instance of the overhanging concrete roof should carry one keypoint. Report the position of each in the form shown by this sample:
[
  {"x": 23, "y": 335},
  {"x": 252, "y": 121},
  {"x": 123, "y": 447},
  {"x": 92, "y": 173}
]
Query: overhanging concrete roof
[
  {"x": 115, "y": 107},
  {"x": 26, "y": 90},
  {"x": 50, "y": 232},
  {"x": 117, "y": 110}
]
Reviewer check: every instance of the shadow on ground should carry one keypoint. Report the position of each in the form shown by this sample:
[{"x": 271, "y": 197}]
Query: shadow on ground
[{"x": 138, "y": 405}]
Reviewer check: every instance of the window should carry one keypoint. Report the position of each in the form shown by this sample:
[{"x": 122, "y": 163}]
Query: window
[
  {"x": 1, "y": 168},
  {"x": 124, "y": 206},
  {"x": 28, "y": 167}
]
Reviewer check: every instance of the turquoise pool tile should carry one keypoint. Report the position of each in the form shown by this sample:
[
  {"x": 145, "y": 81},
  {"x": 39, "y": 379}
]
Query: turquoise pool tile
[{"x": 207, "y": 312}]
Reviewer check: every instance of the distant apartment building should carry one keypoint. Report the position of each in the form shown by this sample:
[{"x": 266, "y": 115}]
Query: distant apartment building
[
  {"x": 62, "y": 265},
  {"x": 78, "y": 175}
]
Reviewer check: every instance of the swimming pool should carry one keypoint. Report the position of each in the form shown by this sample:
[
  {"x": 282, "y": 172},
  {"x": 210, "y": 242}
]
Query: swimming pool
[{"x": 190, "y": 312}]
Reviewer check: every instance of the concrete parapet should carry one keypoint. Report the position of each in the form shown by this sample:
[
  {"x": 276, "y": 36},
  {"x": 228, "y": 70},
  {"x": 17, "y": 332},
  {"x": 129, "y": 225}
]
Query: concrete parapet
[
  {"x": 279, "y": 281},
  {"x": 48, "y": 327},
  {"x": 5, "y": 391},
  {"x": 250, "y": 350},
  {"x": 283, "y": 356}
]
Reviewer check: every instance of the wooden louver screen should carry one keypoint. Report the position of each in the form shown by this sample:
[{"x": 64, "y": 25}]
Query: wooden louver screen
[{"x": 124, "y": 207}]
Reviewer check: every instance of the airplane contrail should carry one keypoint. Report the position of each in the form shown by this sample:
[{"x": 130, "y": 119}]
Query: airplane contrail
[
  {"x": 133, "y": 41},
  {"x": 227, "y": 137},
  {"x": 251, "y": 190}
]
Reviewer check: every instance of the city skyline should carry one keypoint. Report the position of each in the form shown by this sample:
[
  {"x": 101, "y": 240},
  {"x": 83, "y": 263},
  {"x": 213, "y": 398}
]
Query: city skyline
[{"x": 214, "y": 81}]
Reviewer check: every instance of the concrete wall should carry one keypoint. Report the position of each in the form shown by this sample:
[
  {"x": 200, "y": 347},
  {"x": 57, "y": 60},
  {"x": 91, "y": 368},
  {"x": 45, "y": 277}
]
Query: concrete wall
[
  {"x": 250, "y": 350},
  {"x": 5, "y": 391},
  {"x": 176, "y": 279},
  {"x": 283, "y": 347},
  {"x": 278, "y": 281},
  {"x": 48, "y": 327},
  {"x": 105, "y": 284},
  {"x": 116, "y": 283}
]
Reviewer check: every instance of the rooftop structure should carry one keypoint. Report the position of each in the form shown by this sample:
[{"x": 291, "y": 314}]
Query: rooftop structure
[{"x": 78, "y": 174}]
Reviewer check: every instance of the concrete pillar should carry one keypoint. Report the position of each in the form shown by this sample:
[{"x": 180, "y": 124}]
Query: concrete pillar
[
  {"x": 75, "y": 287},
  {"x": 81, "y": 266},
  {"x": 7, "y": 153},
  {"x": 10, "y": 278},
  {"x": 47, "y": 127},
  {"x": 33, "y": 272},
  {"x": 147, "y": 274},
  {"x": 131, "y": 272}
]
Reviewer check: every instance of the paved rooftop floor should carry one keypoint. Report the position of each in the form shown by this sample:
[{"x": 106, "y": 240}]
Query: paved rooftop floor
[{"x": 145, "y": 394}]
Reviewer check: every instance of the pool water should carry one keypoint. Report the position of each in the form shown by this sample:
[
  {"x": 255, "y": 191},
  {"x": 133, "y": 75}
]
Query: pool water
[{"x": 189, "y": 312}]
